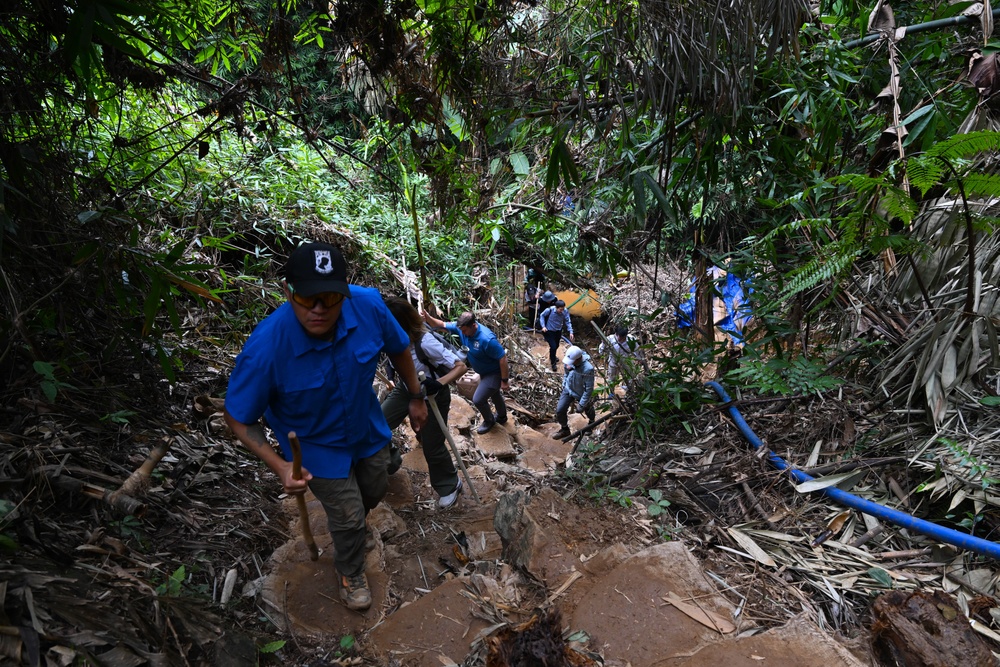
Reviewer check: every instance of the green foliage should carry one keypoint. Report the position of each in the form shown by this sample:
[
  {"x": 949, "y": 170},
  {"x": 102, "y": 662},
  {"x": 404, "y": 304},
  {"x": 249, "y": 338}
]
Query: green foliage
[
  {"x": 977, "y": 469},
  {"x": 272, "y": 647},
  {"x": 119, "y": 417},
  {"x": 659, "y": 504},
  {"x": 130, "y": 528},
  {"x": 880, "y": 576},
  {"x": 784, "y": 376},
  {"x": 172, "y": 586},
  {"x": 49, "y": 385},
  {"x": 671, "y": 391}
]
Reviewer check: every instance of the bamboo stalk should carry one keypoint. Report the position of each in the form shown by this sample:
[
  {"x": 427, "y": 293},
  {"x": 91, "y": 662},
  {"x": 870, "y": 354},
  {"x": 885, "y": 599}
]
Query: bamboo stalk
[
  {"x": 122, "y": 503},
  {"x": 138, "y": 482}
]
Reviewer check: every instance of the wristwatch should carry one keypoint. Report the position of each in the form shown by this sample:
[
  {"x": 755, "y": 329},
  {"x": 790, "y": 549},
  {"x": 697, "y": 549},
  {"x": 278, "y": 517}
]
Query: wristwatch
[
  {"x": 415, "y": 397},
  {"x": 505, "y": 379}
]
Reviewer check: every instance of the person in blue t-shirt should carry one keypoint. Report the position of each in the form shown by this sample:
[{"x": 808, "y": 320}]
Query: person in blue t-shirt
[
  {"x": 308, "y": 368},
  {"x": 487, "y": 357}
]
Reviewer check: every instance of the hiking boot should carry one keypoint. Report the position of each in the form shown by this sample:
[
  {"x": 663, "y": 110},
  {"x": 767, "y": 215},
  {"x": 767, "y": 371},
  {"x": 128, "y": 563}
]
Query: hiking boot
[
  {"x": 354, "y": 591},
  {"x": 485, "y": 426},
  {"x": 447, "y": 501},
  {"x": 500, "y": 421},
  {"x": 562, "y": 433}
]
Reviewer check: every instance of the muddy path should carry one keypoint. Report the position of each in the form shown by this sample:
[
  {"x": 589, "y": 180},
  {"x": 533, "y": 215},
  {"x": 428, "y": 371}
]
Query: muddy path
[{"x": 527, "y": 574}]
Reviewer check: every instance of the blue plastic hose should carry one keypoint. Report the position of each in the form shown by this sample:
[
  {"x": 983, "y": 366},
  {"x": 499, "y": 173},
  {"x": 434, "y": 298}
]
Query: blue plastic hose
[{"x": 910, "y": 522}]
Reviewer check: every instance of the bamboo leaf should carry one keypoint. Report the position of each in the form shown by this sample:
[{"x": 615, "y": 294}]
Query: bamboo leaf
[
  {"x": 751, "y": 547},
  {"x": 881, "y": 576},
  {"x": 948, "y": 367},
  {"x": 704, "y": 616},
  {"x": 821, "y": 483}
]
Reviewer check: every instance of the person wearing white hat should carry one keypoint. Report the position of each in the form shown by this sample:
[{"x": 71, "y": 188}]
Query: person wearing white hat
[{"x": 578, "y": 387}]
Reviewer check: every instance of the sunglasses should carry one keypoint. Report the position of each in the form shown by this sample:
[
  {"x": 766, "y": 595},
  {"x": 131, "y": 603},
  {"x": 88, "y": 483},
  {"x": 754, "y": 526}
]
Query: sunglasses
[{"x": 328, "y": 299}]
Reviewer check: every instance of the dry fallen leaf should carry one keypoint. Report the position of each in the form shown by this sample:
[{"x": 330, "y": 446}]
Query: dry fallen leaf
[
  {"x": 751, "y": 547},
  {"x": 704, "y": 616},
  {"x": 832, "y": 528}
]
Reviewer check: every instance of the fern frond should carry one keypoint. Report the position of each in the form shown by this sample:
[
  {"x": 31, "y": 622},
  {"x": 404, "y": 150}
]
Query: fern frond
[
  {"x": 900, "y": 243},
  {"x": 860, "y": 183},
  {"x": 983, "y": 185},
  {"x": 965, "y": 145},
  {"x": 821, "y": 269},
  {"x": 925, "y": 172},
  {"x": 898, "y": 204},
  {"x": 795, "y": 225}
]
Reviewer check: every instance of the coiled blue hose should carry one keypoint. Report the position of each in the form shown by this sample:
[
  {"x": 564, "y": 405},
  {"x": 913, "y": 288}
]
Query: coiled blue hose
[{"x": 932, "y": 530}]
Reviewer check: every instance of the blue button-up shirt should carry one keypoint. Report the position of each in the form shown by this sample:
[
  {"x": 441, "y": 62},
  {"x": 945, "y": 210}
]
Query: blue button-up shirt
[
  {"x": 485, "y": 351},
  {"x": 321, "y": 389},
  {"x": 553, "y": 320}
]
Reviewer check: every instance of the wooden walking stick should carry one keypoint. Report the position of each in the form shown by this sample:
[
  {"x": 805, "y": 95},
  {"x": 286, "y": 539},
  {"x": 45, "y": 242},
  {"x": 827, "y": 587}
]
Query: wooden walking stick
[
  {"x": 451, "y": 441},
  {"x": 300, "y": 498}
]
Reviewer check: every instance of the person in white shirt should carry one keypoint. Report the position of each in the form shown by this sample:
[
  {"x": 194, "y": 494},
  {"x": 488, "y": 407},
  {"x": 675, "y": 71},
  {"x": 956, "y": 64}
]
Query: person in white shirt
[{"x": 618, "y": 349}]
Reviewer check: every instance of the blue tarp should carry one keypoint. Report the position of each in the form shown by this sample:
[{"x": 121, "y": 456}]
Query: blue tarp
[{"x": 733, "y": 290}]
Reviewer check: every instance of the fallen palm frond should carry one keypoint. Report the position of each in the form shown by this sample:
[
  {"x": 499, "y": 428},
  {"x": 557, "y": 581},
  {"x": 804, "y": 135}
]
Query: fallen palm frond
[{"x": 955, "y": 288}]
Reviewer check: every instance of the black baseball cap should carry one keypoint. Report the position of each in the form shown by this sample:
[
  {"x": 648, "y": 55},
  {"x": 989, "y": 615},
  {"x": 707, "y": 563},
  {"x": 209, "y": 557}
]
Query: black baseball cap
[{"x": 313, "y": 268}]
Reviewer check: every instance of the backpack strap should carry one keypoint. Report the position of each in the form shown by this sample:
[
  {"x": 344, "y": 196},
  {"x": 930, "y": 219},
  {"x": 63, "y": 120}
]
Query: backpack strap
[
  {"x": 422, "y": 356},
  {"x": 436, "y": 370}
]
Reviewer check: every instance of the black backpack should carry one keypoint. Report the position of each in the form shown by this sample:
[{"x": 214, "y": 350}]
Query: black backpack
[{"x": 449, "y": 344}]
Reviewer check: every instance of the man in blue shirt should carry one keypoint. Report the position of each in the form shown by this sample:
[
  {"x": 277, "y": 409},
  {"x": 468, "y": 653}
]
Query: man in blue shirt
[
  {"x": 546, "y": 300},
  {"x": 554, "y": 319},
  {"x": 308, "y": 367},
  {"x": 488, "y": 358},
  {"x": 578, "y": 387}
]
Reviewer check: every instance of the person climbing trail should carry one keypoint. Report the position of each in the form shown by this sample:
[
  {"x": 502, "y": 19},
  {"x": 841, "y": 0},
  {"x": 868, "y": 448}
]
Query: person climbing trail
[
  {"x": 619, "y": 350},
  {"x": 441, "y": 367},
  {"x": 546, "y": 300},
  {"x": 488, "y": 358},
  {"x": 308, "y": 368},
  {"x": 578, "y": 387},
  {"x": 554, "y": 320}
]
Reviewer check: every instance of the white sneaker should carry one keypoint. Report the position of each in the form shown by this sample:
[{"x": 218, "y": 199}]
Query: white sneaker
[{"x": 447, "y": 501}]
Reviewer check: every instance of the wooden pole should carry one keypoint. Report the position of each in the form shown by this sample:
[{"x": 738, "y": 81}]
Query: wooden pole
[{"x": 300, "y": 498}]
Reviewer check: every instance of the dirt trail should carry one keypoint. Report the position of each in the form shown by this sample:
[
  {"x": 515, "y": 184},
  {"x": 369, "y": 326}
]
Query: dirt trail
[{"x": 452, "y": 583}]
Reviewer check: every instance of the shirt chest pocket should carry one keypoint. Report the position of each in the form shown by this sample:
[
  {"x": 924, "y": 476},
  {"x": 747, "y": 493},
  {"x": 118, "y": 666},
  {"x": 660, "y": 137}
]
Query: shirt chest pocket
[
  {"x": 301, "y": 392},
  {"x": 366, "y": 358}
]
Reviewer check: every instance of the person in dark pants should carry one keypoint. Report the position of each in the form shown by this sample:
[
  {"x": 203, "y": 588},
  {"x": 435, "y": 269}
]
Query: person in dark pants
[
  {"x": 488, "y": 358},
  {"x": 440, "y": 367},
  {"x": 578, "y": 387},
  {"x": 554, "y": 319},
  {"x": 533, "y": 289},
  {"x": 546, "y": 300},
  {"x": 309, "y": 367}
]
